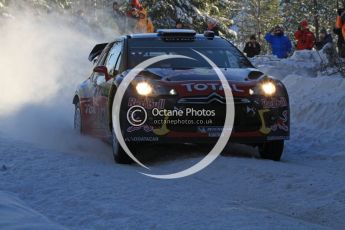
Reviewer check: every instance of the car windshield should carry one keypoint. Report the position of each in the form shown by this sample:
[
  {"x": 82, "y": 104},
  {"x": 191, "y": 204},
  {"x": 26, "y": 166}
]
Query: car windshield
[{"x": 223, "y": 54}]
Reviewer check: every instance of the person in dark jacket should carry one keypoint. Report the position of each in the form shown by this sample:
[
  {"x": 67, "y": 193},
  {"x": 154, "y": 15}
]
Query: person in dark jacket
[
  {"x": 305, "y": 38},
  {"x": 117, "y": 13},
  {"x": 325, "y": 38},
  {"x": 212, "y": 25},
  {"x": 281, "y": 44},
  {"x": 252, "y": 47}
]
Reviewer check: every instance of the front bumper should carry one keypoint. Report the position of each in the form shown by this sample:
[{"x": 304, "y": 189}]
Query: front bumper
[{"x": 257, "y": 119}]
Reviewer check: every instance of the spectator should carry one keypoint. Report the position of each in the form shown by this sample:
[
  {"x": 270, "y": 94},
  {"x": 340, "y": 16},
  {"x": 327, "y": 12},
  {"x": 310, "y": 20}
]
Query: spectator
[
  {"x": 212, "y": 25},
  {"x": 134, "y": 8},
  {"x": 340, "y": 31},
  {"x": 136, "y": 4},
  {"x": 144, "y": 24},
  {"x": 281, "y": 44},
  {"x": 325, "y": 38},
  {"x": 179, "y": 24},
  {"x": 252, "y": 47},
  {"x": 305, "y": 38},
  {"x": 117, "y": 13}
]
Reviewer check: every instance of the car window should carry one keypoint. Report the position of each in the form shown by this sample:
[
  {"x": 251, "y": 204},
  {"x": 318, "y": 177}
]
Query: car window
[
  {"x": 222, "y": 57},
  {"x": 118, "y": 63},
  {"x": 100, "y": 61},
  {"x": 113, "y": 57},
  {"x": 220, "y": 51}
]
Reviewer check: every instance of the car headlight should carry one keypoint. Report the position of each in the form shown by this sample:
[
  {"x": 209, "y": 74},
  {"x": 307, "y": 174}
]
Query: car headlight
[
  {"x": 144, "y": 88},
  {"x": 268, "y": 88}
]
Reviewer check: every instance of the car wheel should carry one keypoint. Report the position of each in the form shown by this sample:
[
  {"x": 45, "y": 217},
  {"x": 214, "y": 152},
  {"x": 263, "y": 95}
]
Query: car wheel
[
  {"x": 77, "y": 118},
  {"x": 120, "y": 156},
  {"x": 272, "y": 150}
]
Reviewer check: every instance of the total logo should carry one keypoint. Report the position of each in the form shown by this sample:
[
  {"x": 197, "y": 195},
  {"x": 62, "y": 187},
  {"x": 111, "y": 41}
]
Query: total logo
[{"x": 209, "y": 86}]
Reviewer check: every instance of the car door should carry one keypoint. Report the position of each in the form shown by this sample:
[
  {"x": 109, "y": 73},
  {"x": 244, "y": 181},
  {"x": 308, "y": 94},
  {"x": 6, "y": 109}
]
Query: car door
[
  {"x": 102, "y": 89},
  {"x": 86, "y": 96}
]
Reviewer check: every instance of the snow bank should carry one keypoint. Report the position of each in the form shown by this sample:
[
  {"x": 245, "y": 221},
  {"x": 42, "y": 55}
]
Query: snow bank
[
  {"x": 317, "y": 112},
  {"x": 14, "y": 214},
  {"x": 317, "y": 100},
  {"x": 302, "y": 63}
]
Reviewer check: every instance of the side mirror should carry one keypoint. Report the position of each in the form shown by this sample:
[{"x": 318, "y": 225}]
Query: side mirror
[{"x": 102, "y": 70}]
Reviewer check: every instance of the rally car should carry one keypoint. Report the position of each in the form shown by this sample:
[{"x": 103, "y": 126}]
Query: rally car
[{"x": 179, "y": 101}]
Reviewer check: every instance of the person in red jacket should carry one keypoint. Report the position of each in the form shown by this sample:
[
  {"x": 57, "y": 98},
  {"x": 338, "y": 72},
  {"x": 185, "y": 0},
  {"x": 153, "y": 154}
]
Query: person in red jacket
[
  {"x": 133, "y": 8},
  {"x": 340, "y": 31},
  {"x": 305, "y": 38}
]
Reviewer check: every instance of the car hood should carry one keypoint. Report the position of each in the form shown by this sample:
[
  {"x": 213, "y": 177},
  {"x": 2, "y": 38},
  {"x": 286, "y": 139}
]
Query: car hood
[{"x": 197, "y": 74}]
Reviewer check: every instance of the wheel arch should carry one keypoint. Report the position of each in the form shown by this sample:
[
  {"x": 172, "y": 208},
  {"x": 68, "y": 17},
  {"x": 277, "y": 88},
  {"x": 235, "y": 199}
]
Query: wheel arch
[{"x": 75, "y": 99}]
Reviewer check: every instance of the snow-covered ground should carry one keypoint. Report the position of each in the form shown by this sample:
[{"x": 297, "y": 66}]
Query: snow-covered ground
[
  {"x": 73, "y": 182},
  {"x": 16, "y": 215}
]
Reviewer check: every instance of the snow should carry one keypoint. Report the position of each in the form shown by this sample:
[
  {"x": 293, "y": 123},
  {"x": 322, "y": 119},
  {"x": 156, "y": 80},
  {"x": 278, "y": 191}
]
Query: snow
[
  {"x": 297, "y": 64},
  {"x": 14, "y": 214},
  {"x": 73, "y": 182},
  {"x": 302, "y": 63}
]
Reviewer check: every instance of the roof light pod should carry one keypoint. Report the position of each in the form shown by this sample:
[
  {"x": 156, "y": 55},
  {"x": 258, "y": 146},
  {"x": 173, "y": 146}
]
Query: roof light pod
[{"x": 176, "y": 34}]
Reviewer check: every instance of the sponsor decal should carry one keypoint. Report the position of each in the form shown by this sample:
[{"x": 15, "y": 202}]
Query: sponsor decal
[
  {"x": 142, "y": 139},
  {"x": 216, "y": 86},
  {"x": 90, "y": 109},
  {"x": 85, "y": 104},
  {"x": 274, "y": 138},
  {"x": 215, "y": 131},
  {"x": 251, "y": 111},
  {"x": 163, "y": 130},
  {"x": 281, "y": 122},
  {"x": 211, "y": 131},
  {"x": 274, "y": 102},
  {"x": 264, "y": 129},
  {"x": 145, "y": 128},
  {"x": 147, "y": 103},
  {"x": 103, "y": 118}
]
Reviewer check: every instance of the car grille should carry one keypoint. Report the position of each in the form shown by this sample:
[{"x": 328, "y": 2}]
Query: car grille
[{"x": 246, "y": 115}]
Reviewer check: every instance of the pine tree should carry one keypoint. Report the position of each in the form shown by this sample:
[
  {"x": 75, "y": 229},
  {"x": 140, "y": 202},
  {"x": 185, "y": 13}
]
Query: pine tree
[
  {"x": 194, "y": 14},
  {"x": 318, "y": 13},
  {"x": 164, "y": 13},
  {"x": 257, "y": 17}
]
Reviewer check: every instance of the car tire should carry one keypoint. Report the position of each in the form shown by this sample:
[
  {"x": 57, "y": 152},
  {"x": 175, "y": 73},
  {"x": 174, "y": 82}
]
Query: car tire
[
  {"x": 272, "y": 150},
  {"x": 120, "y": 156},
  {"x": 78, "y": 126}
]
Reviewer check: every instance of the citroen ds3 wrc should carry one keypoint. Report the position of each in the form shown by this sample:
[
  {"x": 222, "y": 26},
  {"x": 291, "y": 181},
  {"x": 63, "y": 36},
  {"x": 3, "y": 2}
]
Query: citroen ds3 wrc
[{"x": 179, "y": 101}]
